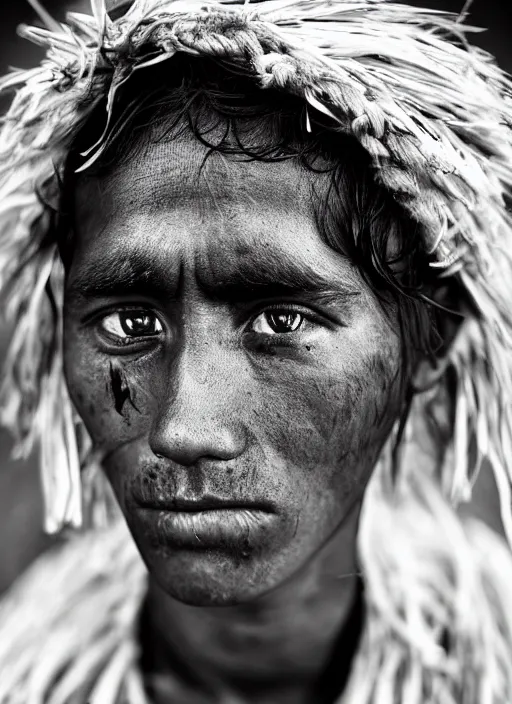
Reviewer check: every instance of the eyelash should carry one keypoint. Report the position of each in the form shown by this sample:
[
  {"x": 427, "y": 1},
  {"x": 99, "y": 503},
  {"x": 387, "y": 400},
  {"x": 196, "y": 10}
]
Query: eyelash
[
  {"x": 307, "y": 313},
  {"x": 118, "y": 343},
  {"x": 128, "y": 344}
]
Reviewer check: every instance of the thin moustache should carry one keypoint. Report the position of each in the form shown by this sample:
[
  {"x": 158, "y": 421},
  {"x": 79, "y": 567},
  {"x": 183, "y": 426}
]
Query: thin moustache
[{"x": 203, "y": 503}]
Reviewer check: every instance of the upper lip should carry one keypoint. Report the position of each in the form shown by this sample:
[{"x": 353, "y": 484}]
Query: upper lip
[{"x": 205, "y": 503}]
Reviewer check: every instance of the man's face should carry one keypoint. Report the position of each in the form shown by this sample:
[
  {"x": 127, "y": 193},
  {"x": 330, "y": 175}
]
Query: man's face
[{"x": 238, "y": 374}]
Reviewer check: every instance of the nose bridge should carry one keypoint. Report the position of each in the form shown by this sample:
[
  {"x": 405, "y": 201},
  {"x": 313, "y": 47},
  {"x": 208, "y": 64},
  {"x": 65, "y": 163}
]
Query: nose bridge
[
  {"x": 196, "y": 387},
  {"x": 197, "y": 415}
]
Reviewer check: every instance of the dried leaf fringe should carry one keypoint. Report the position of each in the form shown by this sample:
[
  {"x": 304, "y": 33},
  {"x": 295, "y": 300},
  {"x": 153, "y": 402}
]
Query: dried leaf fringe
[
  {"x": 437, "y": 592},
  {"x": 435, "y": 116},
  {"x": 81, "y": 646}
]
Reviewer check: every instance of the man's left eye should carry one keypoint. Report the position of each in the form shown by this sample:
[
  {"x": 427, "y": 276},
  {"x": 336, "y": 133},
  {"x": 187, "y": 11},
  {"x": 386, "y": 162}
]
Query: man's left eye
[
  {"x": 278, "y": 322},
  {"x": 132, "y": 324}
]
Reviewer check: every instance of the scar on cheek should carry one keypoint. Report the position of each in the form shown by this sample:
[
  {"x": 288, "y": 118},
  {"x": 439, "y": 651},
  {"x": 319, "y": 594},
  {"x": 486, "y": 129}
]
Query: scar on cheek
[{"x": 120, "y": 388}]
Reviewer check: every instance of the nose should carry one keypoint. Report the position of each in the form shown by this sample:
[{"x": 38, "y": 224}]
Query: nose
[{"x": 197, "y": 419}]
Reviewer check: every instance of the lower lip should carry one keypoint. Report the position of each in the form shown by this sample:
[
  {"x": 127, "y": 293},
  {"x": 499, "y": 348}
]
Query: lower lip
[{"x": 206, "y": 529}]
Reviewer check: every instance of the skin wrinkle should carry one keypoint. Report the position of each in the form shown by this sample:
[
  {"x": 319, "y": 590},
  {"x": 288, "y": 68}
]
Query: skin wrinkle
[{"x": 233, "y": 416}]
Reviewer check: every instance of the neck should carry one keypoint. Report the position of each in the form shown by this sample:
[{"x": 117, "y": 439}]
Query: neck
[{"x": 276, "y": 648}]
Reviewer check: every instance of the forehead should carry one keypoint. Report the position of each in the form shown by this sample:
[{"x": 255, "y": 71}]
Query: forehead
[{"x": 181, "y": 203}]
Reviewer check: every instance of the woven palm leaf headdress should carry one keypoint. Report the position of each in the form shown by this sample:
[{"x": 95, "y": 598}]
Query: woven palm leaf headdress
[
  {"x": 433, "y": 113},
  {"x": 435, "y": 116}
]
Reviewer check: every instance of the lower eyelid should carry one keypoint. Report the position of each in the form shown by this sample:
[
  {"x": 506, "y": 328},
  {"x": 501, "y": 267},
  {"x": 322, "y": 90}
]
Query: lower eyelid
[{"x": 140, "y": 347}]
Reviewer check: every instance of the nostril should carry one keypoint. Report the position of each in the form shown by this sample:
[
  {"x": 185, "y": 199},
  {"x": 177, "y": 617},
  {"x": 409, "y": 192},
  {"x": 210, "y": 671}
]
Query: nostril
[{"x": 185, "y": 443}]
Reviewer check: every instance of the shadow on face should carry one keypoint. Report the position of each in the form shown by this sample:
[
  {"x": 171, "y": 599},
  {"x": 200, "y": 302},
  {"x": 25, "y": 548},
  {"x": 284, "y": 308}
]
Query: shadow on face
[{"x": 238, "y": 374}]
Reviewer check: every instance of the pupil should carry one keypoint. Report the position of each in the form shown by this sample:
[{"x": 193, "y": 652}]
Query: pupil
[
  {"x": 138, "y": 324},
  {"x": 284, "y": 322}
]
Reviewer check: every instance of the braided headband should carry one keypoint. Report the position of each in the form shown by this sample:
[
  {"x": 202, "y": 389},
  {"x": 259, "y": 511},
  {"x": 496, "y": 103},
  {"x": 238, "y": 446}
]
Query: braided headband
[{"x": 433, "y": 113}]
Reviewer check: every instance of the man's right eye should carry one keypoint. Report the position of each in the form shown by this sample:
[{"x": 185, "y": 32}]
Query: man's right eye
[{"x": 132, "y": 324}]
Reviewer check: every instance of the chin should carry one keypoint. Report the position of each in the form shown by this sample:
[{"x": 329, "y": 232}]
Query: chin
[
  {"x": 229, "y": 560},
  {"x": 207, "y": 578}
]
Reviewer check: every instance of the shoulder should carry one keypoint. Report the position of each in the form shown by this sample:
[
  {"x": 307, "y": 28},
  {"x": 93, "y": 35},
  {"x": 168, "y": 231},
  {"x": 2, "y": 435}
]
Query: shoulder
[{"x": 68, "y": 623}]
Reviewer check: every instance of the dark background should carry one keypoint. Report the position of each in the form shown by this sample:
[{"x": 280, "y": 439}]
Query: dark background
[{"x": 21, "y": 538}]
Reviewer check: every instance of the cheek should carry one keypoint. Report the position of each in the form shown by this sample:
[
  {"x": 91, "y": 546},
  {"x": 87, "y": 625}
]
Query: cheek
[
  {"x": 110, "y": 397},
  {"x": 327, "y": 420},
  {"x": 315, "y": 426}
]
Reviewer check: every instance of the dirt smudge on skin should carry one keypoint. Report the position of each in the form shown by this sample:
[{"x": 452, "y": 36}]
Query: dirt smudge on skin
[{"x": 120, "y": 389}]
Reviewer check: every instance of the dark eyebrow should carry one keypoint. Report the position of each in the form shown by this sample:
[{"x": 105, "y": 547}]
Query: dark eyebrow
[
  {"x": 273, "y": 276},
  {"x": 114, "y": 275},
  {"x": 268, "y": 275}
]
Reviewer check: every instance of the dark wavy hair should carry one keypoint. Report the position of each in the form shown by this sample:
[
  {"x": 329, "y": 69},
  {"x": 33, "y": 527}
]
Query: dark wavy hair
[{"x": 227, "y": 111}]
